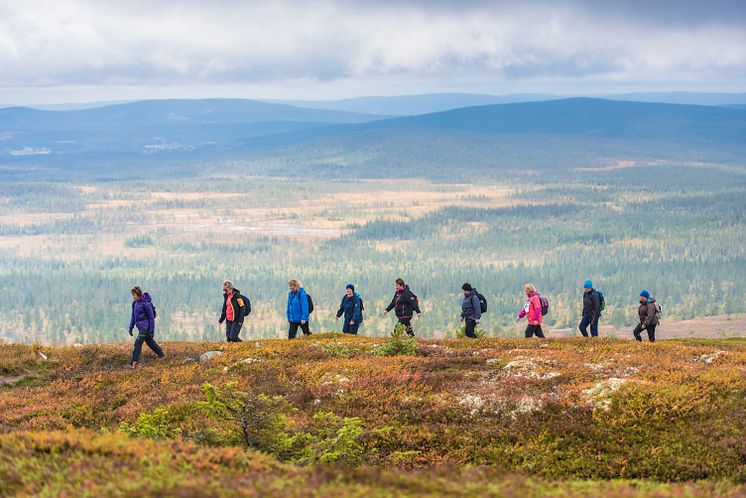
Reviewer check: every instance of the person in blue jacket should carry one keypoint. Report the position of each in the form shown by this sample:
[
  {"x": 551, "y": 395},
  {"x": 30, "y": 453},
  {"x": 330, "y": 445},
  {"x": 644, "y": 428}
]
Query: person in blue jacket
[
  {"x": 143, "y": 317},
  {"x": 352, "y": 309},
  {"x": 298, "y": 309}
]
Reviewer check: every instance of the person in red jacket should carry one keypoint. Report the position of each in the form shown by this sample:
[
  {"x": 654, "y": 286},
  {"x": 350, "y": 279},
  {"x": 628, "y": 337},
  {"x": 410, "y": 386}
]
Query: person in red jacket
[
  {"x": 532, "y": 311},
  {"x": 236, "y": 307}
]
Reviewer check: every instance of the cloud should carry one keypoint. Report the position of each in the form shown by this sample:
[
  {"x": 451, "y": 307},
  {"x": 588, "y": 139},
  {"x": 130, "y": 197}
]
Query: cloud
[{"x": 83, "y": 42}]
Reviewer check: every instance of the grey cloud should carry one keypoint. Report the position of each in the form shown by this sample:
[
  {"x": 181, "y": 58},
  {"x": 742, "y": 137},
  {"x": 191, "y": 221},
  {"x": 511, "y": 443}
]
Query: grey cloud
[{"x": 82, "y": 42}]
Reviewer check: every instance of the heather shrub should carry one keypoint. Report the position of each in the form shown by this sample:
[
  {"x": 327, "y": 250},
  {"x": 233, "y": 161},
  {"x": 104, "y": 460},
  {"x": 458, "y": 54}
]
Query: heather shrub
[
  {"x": 152, "y": 425},
  {"x": 262, "y": 421},
  {"x": 461, "y": 332},
  {"x": 331, "y": 440},
  {"x": 400, "y": 343}
]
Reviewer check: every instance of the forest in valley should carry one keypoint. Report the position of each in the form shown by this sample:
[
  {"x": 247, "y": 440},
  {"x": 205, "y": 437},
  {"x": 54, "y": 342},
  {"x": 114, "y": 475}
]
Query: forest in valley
[{"x": 71, "y": 250}]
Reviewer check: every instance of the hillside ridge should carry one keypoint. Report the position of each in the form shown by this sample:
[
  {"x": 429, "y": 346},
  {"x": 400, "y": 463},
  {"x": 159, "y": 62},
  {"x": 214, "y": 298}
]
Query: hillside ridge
[{"x": 572, "y": 409}]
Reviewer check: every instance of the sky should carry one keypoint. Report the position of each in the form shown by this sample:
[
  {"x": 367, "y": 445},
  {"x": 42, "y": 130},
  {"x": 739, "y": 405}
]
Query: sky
[{"x": 87, "y": 51}]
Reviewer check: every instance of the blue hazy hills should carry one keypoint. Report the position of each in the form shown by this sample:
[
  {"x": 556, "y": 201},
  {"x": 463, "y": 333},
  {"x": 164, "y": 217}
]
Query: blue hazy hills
[{"x": 162, "y": 131}]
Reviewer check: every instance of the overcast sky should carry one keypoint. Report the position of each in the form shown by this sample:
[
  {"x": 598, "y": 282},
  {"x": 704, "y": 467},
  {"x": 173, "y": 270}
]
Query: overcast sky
[{"x": 79, "y": 50}]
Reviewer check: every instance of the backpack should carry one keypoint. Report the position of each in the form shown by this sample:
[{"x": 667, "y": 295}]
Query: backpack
[
  {"x": 601, "y": 300},
  {"x": 544, "y": 304},
  {"x": 358, "y": 297},
  {"x": 246, "y": 304},
  {"x": 482, "y": 303},
  {"x": 658, "y": 311},
  {"x": 155, "y": 311},
  {"x": 310, "y": 303}
]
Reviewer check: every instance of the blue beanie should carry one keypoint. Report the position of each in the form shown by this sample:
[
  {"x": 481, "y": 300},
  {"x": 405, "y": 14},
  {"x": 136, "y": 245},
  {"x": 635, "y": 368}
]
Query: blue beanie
[
  {"x": 588, "y": 284},
  {"x": 351, "y": 287},
  {"x": 645, "y": 294}
]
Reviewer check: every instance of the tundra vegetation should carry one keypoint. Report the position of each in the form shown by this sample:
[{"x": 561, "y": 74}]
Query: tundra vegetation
[{"x": 333, "y": 415}]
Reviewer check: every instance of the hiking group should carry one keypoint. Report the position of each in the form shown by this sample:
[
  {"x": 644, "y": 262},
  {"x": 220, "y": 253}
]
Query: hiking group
[{"x": 236, "y": 308}]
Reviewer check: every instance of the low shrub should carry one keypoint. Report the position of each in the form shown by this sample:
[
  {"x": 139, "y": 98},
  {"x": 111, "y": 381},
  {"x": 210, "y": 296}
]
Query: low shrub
[
  {"x": 478, "y": 331},
  {"x": 152, "y": 425},
  {"x": 400, "y": 343}
]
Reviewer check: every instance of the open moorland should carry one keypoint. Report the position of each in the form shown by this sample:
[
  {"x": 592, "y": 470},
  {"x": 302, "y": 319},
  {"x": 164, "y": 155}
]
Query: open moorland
[{"x": 333, "y": 415}]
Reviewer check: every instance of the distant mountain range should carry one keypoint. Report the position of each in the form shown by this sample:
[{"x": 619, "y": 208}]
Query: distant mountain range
[
  {"x": 587, "y": 117},
  {"x": 156, "y": 132},
  {"x": 407, "y": 105},
  {"x": 153, "y": 127}
]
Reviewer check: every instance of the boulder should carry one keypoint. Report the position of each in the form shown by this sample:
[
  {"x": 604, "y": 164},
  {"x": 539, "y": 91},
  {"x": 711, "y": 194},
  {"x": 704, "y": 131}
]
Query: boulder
[{"x": 209, "y": 355}]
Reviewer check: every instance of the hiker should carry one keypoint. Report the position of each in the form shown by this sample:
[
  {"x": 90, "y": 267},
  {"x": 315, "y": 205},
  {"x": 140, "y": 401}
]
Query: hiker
[
  {"x": 591, "y": 310},
  {"x": 298, "y": 310},
  {"x": 352, "y": 309},
  {"x": 532, "y": 311},
  {"x": 404, "y": 304},
  {"x": 471, "y": 310},
  {"x": 236, "y": 308},
  {"x": 143, "y": 316},
  {"x": 649, "y": 317}
]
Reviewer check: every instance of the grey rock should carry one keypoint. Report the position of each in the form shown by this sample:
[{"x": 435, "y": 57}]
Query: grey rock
[{"x": 209, "y": 355}]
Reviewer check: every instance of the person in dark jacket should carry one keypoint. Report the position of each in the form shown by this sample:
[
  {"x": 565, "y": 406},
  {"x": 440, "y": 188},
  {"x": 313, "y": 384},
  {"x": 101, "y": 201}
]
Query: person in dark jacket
[
  {"x": 471, "y": 310},
  {"x": 405, "y": 304},
  {"x": 297, "y": 310},
  {"x": 236, "y": 308},
  {"x": 648, "y": 317},
  {"x": 143, "y": 317},
  {"x": 352, "y": 309},
  {"x": 591, "y": 310}
]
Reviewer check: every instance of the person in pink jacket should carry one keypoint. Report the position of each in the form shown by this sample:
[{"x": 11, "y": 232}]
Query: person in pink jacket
[{"x": 532, "y": 311}]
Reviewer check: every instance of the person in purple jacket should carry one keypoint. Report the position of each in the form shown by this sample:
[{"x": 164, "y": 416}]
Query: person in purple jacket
[{"x": 143, "y": 317}]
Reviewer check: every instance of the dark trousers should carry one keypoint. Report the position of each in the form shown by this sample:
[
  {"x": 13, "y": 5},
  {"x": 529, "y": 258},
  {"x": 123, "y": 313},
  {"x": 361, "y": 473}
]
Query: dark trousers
[
  {"x": 534, "y": 329},
  {"x": 232, "y": 329},
  {"x": 350, "y": 329},
  {"x": 470, "y": 325},
  {"x": 638, "y": 332},
  {"x": 147, "y": 337},
  {"x": 293, "y": 330},
  {"x": 584, "y": 322},
  {"x": 407, "y": 322}
]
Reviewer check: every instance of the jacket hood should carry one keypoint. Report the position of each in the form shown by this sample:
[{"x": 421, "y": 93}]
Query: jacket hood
[{"x": 146, "y": 298}]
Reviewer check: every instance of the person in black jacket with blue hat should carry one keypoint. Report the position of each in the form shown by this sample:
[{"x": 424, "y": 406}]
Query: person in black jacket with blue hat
[{"x": 352, "y": 309}]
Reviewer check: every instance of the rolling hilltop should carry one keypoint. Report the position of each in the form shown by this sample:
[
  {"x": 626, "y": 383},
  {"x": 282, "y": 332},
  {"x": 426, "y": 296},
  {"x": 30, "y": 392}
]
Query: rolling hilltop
[
  {"x": 489, "y": 137},
  {"x": 401, "y": 105},
  {"x": 331, "y": 415}
]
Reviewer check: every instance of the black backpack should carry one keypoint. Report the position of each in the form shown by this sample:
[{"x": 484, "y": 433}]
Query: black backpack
[
  {"x": 482, "y": 303},
  {"x": 246, "y": 304},
  {"x": 155, "y": 311},
  {"x": 310, "y": 303},
  {"x": 544, "y": 304},
  {"x": 601, "y": 300}
]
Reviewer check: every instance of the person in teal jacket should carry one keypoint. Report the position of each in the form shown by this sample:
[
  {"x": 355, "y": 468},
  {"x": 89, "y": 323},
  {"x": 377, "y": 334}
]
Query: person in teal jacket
[{"x": 298, "y": 309}]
